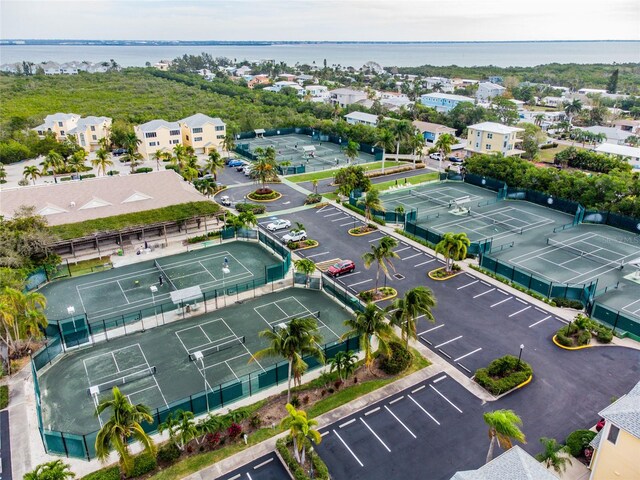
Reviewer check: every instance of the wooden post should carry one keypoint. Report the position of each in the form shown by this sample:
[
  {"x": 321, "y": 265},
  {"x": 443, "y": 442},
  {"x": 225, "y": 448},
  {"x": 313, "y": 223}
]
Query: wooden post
[
  {"x": 166, "y": 242},
  {"x": 98, "y": 247}
]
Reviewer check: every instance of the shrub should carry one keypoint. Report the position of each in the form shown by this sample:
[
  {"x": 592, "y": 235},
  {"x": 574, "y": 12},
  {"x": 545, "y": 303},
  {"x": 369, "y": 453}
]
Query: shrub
[
  {"x": 592, "y": 161},
  {"x": 110, "y": 473},
  {"x": 143, "y": 463},
  {"x": 313, "y": 198},
  {"x": 88, "y": 175},
  {"x": 567, "y": 303},
  {"x": 201, "y": 238},
  {"x": 295, "y": 401},
  {"x": 168, "y": 453},
  {"x": 250, "y": 207},
  {"x": 547, "y": 146},
  {"x": 562, "y": 339},
  {"x": 234, "y": 430},
  {"x": 584, "y": 337},
  {"x": 143, "y": 170},
  {"x": 212, "y": 439},
  {"x": 4, "y": 396},
  {"x": 255, "y": 420},
  {"x": 399, "y": 359},
  {"x": 579, "y": 440},
  {"x": 111, "y": 173},
  {"x": 604, "y": 335},
  {"x": 271, "y": 195},
  {"x": 320, "y": 469},
  {"x": 172, "y": 167},
  {"x": 503, "y": 374},
  {"x": 379, "y": 221}
]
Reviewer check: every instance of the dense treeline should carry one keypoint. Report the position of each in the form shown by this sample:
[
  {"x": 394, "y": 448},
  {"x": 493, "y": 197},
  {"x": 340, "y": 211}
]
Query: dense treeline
[
  {"x": 618, "y": 191},
  {"x": 589, "y": 160},
  {"x": 570, "y": 75}
]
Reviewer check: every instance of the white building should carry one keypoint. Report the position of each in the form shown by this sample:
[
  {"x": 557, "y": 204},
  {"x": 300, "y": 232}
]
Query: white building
[
  {"x": 317, "y": 93},
  {"x": 487, "y": 90},
  {"x": 51, "y": 68},
  {"x": 346, "y": 96},
  {"x": 553, "y": 102},
  {"x": 443, "y": 102},
  {"x": 443, "y": 84},
  {"x": 361, "y": 118},
  {"x": 623, "y": 151},
  {"x": 614, "y": 135},
  {"x": 59, "y": 124}
]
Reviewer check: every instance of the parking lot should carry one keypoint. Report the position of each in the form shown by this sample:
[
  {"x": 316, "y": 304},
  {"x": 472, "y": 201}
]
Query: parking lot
[{"x": 268, "y": 467}]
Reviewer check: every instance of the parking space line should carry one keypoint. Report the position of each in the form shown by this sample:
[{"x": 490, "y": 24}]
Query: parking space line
[
  {"x": 417, "y": 389},
  {"x": 332, "y": 214},
  {"x": 449, "y": 341},
  {"x": 450, "y": 402},
  {"x": 520, "y": 300},
  {"x": 345, "y": 224},
  {"x": 424, "y": 263},
  {"x": 467, "y": 285},
  {"x": 425, "y": 340},
  {"x": 485, "y": 283},
  {"x": 439, "y": 379},
  {"x": 444, "y": 353},
  {"x": 318, "y": 254},
  {"x": 540, "y": 310},
  {"x": 423, "y": 409},
  {"x": 540, "y": 321},
  {"x": 501, "y": 301},
  {"x": 395, "y": 400},
  {"x": 235, "y": 477},
  {"x": 371, "y": 411},
  {"x": 375, "y": 435},
  {"x": 520, "y": 311},
  {"x": 376, "y": 239},
  {"x": 465, "y": 368},
  {"x": 402, "y": 249},
  {"x": 263, "y": 464},
  {"x": 412, "y": 256},
  {"x": 467, "y": 354},
  {"x": 364, "y": 281},
  {"x": 431, "y": 329},
  {"x": 325, "y": 433},
  {"x": 347, "y": 447},
  {"x": 347, "y": 423},
  {"x": 338, "y": 219},
  {"x": 483, "y": 293},
  {"x": 400, "y": 422}
]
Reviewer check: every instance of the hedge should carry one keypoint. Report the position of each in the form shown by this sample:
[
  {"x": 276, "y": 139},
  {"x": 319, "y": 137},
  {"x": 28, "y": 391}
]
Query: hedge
[
  {"x": 509, "y": 372},
  {"x": 4, "y": 396},
  {"x": 582, "y": 329},
  {"x": 567, "y": 303},
  {"x": 379, "y": 221},
  {"x": 267, "y": 196},
  {"x": 547, "y": 146},
  {"x": 143, "y": 170},
  {"x": 319, "y": 468},
  {"x": 143, "y": 463},
  {"x": 202, "y": 238},
  {"x": 579, "y": 440},
  {"x": 398, "y": 361},
  {"x": 592, "y": 161},
  {"x": 250, "y": 207}
]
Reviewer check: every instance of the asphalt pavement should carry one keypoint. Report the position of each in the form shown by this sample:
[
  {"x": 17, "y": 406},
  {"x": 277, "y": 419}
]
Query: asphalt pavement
[{"x": 268, "y": 467}]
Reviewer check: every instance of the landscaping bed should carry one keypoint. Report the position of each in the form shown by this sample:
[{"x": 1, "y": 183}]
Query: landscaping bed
[
  {"x": 363, "y": 230},
  {"x": 320, "y": 470},
  {"x": 578, "y": 445},
  {"x": 303, "y": 244},
  {"x": 442, "y": 274},
  {"x": 264, "y": 195},
  {"x": 503, "y": 374},
  {"x": 579, "y": 333},
  {"x": 313, "y": 198},
  {"x": 250, "y": 207},
  {"x": 382, "y": 293}
]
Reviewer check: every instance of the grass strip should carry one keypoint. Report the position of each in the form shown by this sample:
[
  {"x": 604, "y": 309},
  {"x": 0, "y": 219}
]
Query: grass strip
[
  {"x": 308, "y": 177},
  {"x": 415, "y": 180}
]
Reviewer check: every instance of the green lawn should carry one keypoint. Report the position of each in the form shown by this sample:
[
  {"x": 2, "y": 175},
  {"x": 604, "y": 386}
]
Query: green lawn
[
  {"x": 425, "y": 177},
  {"x": 308, "y": 177},
  {"x": 547, "y": 156}
]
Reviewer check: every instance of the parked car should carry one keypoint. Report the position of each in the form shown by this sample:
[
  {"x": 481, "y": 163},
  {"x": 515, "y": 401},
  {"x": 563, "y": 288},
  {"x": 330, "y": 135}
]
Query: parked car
[
  {"x": 247, "y": 170},
  {"x": 278, "y": 225},
  {"x": 345, "y": 266},
  {"x": 455, "y": 159},
  {"x": 435, "y": 156},
  {"x": 235, "y": 162},
  {"x": 225, "y": 200},
  {"x": 242, "y": 166},
  {"x": 119, "y": 151},
  {"x": 294, "y": 236}
]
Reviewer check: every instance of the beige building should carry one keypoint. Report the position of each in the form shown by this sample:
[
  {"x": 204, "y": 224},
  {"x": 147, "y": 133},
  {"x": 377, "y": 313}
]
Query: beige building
[
  {"x": 617, "y": 445},
  {"x": 90, "y": 130},
  {"x": 157, "y": 135},
  {"x": 202, "y": 132},
  {"x": 490, "y": 137},
  {"x": 59, "y": 124},
  {"x": 432, "y": 131}
]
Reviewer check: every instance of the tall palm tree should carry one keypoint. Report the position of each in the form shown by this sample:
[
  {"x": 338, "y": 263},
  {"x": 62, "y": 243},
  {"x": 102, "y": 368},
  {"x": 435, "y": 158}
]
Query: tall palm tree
[
  {"x": 504, "y": 427},
  {"x": 371, "y": 201},
  {"x": 102, "y": 161},
  {"x": 31, "y": 172},
  {"x": 571, "y": 109},
  {"x": 134, "y": 158},
  {"x": 206, "y": 186},
  {"x": 53, "y": 161},
  {"x": 213, "y": 163},
  {"x": 159, "y": 156},
  {"x": 385, "y": 141},
  {"x": 130, "y": 142},
  {"x": 554, "y": 455},
  {"x": 453, "y": 246},
  {"x": 78, "y": 159},
  {"x": 265, "y": 169},
  {"x": 306, "y": 266},
  {"x": 444, "y": 144},
  {"x": 182, "y": 428},
  {"x": 402, "y": 131},
  {"x": 123, "y": 426},
  {"x": 538, "y": 119},
  {"x": 417, "y": 143},
  {"x": 405, "y": 311},
  {"x": 314, "y": 183},
  {"x": 56, "y": 470},
  {"x": 301, "y": 431},
  {"x": 381, "y": 255},
  {"x": 366, "y": 325},
  {"x": 351, "y": 151},
  {"x": 344, "y": 363},
  {"x": 298, "y": 339},
  {"x": 229, "y": 142}
]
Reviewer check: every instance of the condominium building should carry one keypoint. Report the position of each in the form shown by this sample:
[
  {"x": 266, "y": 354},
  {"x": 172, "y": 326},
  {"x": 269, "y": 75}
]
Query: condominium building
[
  {"x": 443, "y": 102},
  {"x": 202, "y": 132},
  {"x": 490, "y": 137},
  {"x": 59, "y": 124},
  {"x": 90, "y": 130},
  {"x": 157, "y": 135}
]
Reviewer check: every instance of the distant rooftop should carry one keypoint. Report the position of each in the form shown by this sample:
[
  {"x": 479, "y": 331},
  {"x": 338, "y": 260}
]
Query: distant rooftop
[{"x": 495, "y": 128}]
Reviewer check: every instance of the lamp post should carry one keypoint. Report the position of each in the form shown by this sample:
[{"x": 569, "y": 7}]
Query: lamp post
[
  {"x": 311, "y": 462},
  {"x": 520, "y": 355},
  {"x": 197, "y": 356},
  {"x": 154, "y": 290},
  {"x": 225, "y": 271}
]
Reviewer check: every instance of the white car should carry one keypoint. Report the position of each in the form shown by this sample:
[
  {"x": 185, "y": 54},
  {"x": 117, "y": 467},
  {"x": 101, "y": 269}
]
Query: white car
[
  {"x": 278, "y": 225},
  {"x": 435, "y": 156},
  {"x": 225, "y": 200},
  {"x": 294, "y": 236}
]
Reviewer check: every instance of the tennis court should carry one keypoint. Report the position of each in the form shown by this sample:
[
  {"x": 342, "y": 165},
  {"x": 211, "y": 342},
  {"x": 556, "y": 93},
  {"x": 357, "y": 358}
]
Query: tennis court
[
  {"x": 304, "y": 150},
  {"x": 129, "y": 289},
  {"x": 163, "y": 365}
]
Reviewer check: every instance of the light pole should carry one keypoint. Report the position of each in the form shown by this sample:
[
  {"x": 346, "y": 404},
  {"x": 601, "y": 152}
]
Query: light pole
[
  {"x": 225, "y": 271},
  {"x": 154, "y": 290},
  {"x": 520, "y": 355},
  {"x": 311, "y": 461},
  {"x": 198, "y": 356}
]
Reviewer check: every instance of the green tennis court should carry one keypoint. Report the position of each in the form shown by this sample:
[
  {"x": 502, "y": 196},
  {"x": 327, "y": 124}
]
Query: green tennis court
[{"x": 161, "y": 366}]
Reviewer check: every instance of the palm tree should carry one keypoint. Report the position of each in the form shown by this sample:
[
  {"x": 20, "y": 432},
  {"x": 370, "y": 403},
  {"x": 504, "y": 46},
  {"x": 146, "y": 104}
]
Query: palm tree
[
  {"x": 314, "y": 182},
  {"x": 371, "y": 201},
  {"x": 53, "y": 161},
  {"x": 444, "y": 144},
  {"x": 381, "y": 255},
  {"x": 402, "y": 130},
  {"x": 306, "y": 266},
  {"x": 134, "y": 158},
  {"x": 417, "y": 143},
  {"x": 554, "y": 455},
  {"x": 344, "y": 363},
  {"x": 206, "y": 186},
  {"x": 56, "y": 470},
  {"x": 77, "y": 160},
  {"x": 159, "y": 156},
  {"x": 351, "y": 151},
  {"x": 265, "y": 169},
  {"x": 123, "y": 426},
  {"x": 572, "y": 108},
  {"x": 182, "y": 428},
  {"x": 214, "y": 162},
  {"x": 130, "y": 142},
  {"x": 453, "y": 246},
  {"x": 366, "y": 325},
  {"x": 31, "y": 172},
  {"x": 504, "y": 427},
  {"x": 229, "y": 142},
  {"x": 22, "y": 315},
  {"x": 301, "y": 431},
  {"x": 538, "y": 119},
  {"x": 298, "y": 339},
  {"x": 3, "y": 173},
  {"x": 405, "y": 311},
  {"x": 102, "y": 161},
  {"x": 385, "y": 141},
  {"x": 399, "y": 211}
]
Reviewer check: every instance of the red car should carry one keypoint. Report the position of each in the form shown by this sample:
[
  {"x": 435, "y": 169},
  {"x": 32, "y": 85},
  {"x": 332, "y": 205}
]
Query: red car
[{"x": 345, "y": 266}]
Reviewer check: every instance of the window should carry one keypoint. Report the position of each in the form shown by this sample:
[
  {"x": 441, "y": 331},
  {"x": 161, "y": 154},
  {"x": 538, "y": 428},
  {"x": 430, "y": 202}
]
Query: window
[
  {"x": 220, "y": 137},
  {"x": 62, "y": 133},
  {"x": 196, "y": 130},
  {"x": 220, "y": 128},
  {"x": 197, "y": 139},
  {"x": 187, "y": 137},
  {"x": 93, "y": 128},
  {"x": 489, "y": 135},
  {"x": 174, "y": 132},
  {"x": 174, "y": 142},
  {"x": 613, "y": 434},
  {"x": 60, "y": 124},
  {"x": 150, "y": 135},
  {"x": 505, "y": 144},
  {"x": 488, "y": 146},
  {"x": 94, "y": 137},
  {"x": 478, "y": 133},
  {"x": 152, "y": 144}
]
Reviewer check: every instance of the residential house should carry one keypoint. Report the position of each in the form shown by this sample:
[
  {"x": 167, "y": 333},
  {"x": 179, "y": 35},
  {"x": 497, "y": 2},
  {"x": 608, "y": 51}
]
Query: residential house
[
  {"x": 317, "y": 93},
  {"x": 617, "y": 445},
  {"x": 59, "y": 124},
  {"x": 202, "y": 132},
  {"x": 584, "y": 91},
  {"x": 206, "y": 73},
  {"x": 244, "y": 70},
  {"x": 90, "y": 130},
  {"x": 11, "y": 68},
  {"x": 632, "y": 126},
  {"x": 278, "y": 86},
  {"x": 443, "y": 102},
  {"x": 490, "y": 137},
  {"x": 623, "y": 151},
  {"x": 346, "y": 96},
  {"x": 614, "y": 135},
  {"x": 440, "y": 84},
  {"x": 487, "y": 90},
  {"x": 304, "y": 78},
  {"x": 258, "y": 80},
  {"x": 553, "y": 102},
  {"x": 157, "y": 135},
  {"x": 162, "y": 65},
  {"x": 98, "y": 67},
  {"x": 51, "y": 68},
  {"x": 361, "y": 118},
  {"x": 463, "y": 82},
  {"x": 514, "y": 464},
  {"x": 543, "y": 119},
  {"x": 432, "y": 131},
  {"x": 496, "y": 79},
  {"x": 72, "y": 68}
]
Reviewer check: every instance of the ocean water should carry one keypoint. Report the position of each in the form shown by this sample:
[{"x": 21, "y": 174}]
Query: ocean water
[{"x": 502, "y": 54}]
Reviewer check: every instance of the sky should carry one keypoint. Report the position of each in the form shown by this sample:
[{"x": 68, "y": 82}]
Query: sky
[{"x": 321, "y": 20}]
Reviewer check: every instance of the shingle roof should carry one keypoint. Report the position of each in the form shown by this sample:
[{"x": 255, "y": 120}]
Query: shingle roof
[
  {"x": 200, "y": 119},
  {"x": 495, "y": 128},
  {"x": 154, "y": 125},
  {"x": 87, "y": 122},
  {"x": 625, "y": 412},
  {"x": 514, "y": 464},
  {"x": 431, "y": 127}
]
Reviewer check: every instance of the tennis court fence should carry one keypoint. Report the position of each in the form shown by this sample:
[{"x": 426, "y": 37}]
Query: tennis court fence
[
  {"x": 623, "y": 324},
  {"x": 387, "y": 216}
]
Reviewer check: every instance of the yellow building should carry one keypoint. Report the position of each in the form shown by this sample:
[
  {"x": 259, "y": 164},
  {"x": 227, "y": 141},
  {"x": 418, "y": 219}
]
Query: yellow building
[
  {"x": 90, "y": 130},
  {"x": 157, "y": 135},
  {"x": 490, "y": 137},
  {"x": 202, "y": 132},
  {"x": 59, "y": 124},
  {"x": 617, "y": 446}
]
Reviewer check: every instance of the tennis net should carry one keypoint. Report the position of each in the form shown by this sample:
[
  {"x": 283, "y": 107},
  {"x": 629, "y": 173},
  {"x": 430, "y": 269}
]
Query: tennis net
[
  {"x": 164, "y": 274},
  {"x": 278, "y": 324},
  {"x": 431, "y": 199},
  {"x": 492, "y": 221},
  {"x": 582, "y": 253},
  {"x": 217, "y": 348},
  {"x": 131, "y": 377}
]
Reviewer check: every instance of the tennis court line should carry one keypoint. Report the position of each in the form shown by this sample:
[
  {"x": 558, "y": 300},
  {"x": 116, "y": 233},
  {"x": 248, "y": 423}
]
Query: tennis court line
[
  {"x": 244, "y": 346},
  {"x": 154, "y": 378}
]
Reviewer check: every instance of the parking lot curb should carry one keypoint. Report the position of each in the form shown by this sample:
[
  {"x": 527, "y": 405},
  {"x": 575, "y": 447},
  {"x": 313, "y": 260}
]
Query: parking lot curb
[
  {"x": 581, "y": 347},
  {"x": 436, "y": 279}
]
